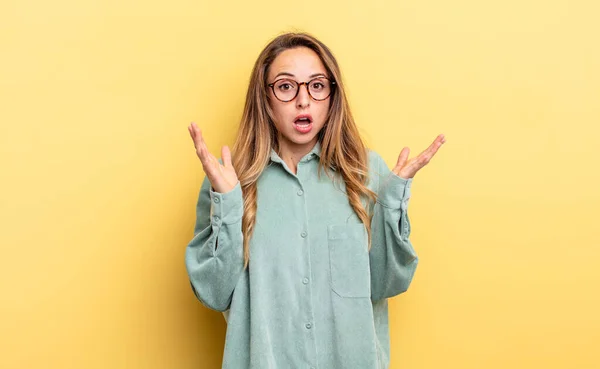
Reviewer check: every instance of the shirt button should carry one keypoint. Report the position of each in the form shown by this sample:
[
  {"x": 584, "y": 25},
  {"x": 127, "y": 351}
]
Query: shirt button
[
  {"x": 216, "y": 200},
  {"x": 308, "y": 326},
  {"x": 303, "y": 234},
  {"x": 300, "y": 192},
  {"x": 305, "y": 281}
]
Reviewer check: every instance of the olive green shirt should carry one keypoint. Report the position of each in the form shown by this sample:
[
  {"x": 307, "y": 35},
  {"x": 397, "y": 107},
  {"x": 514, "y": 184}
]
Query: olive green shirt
[{"x": 313, "y": 296}]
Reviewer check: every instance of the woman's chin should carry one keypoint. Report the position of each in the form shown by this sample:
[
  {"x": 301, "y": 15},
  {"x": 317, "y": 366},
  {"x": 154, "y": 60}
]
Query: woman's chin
[{"x": 298, "y": 139}]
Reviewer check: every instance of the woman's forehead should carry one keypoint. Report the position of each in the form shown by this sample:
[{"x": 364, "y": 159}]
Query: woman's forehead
[{"x": 300, "y": 63}]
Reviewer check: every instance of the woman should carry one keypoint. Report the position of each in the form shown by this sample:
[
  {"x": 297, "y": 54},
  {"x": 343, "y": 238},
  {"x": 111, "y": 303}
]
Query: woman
[{"x": 302, "y": 262}]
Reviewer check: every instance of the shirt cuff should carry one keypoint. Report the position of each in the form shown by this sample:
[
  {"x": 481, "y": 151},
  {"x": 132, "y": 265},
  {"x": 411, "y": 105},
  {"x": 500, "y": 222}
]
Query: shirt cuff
[
  {"x": 395, "y": 192},
  {"x": 228, "y": 207}
]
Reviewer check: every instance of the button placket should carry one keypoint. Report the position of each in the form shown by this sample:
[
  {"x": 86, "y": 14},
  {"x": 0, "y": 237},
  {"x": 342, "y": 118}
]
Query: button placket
[{"x": 303, "y": 230}]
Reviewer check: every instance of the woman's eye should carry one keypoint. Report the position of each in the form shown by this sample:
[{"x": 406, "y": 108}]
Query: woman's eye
[
  {"x": 285, "y": 86},
  {"x": 317, "y": 85}
]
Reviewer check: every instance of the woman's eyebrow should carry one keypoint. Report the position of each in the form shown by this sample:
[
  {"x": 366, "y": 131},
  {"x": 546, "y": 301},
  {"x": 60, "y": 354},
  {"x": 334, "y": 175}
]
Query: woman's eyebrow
[{"x": 291, "y": 75}]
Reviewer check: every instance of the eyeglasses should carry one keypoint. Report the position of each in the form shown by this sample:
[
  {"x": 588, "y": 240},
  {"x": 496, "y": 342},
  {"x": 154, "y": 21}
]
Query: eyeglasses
[{"x": 286, "y": 89}]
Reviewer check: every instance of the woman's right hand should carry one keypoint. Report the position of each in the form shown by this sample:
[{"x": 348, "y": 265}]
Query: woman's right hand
[{"x": 222, "y": 177}]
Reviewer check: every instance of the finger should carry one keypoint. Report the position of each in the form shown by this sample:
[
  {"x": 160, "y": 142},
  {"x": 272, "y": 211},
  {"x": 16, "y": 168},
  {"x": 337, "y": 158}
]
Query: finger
[
  {"x": 201, "y": 148},
  {"x": 200, "y": 139},
  {"x": 208, "y": 159},
  {"x": 192, "y": 135},
  {"x": 441, "y": 139},
  {"x": 226, "y": 156},
  {"x": 194, "y": 131},
  {"x": 402, "y": 157},
  {"x": 423, "y": 159},
  {"x": 209, "y": 162},
  {"x": 426, "y": 156},
  {"x": 438, "y": 142},
  {"x": 434, "y": 145}
]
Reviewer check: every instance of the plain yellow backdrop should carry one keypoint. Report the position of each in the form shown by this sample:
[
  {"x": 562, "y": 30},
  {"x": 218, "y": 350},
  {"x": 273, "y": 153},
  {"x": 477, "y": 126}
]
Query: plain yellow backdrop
[{"x": 99, "y": 177}]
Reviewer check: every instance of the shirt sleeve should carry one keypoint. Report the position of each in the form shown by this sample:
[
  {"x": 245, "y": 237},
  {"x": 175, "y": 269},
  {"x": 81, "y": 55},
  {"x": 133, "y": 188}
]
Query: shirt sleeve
[
  {"x": 214, "y": 258},
  {"x": 393, "y": 260}
]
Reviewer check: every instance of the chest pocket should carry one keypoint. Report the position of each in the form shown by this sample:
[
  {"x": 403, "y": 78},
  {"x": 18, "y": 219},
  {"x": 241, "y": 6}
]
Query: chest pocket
[{"x": 349, "y": 260}]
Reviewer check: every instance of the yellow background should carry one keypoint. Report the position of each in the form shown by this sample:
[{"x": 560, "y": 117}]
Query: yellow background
[{"x": 99, "y": 177}]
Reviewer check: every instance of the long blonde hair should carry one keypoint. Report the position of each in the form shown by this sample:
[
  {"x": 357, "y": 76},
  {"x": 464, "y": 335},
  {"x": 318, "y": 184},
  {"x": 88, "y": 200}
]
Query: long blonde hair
[{"x": 341, "y": 144}]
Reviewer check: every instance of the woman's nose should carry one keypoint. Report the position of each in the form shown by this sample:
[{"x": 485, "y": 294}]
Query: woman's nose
[{"x": 303, "y": 96}]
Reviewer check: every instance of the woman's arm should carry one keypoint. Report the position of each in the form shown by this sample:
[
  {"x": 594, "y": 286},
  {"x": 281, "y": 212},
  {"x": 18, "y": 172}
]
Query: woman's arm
[
  {"x": 214, "y": 258},
  {"x": 393, "y": 260}
]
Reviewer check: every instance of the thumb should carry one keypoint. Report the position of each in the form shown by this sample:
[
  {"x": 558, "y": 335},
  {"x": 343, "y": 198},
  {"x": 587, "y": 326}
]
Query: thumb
[{"x": 226, "y": 156}]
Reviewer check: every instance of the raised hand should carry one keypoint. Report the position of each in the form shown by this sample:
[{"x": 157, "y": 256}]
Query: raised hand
[
  {"x": 408, "y": 168},
  {"x": 222, "y": 177}
]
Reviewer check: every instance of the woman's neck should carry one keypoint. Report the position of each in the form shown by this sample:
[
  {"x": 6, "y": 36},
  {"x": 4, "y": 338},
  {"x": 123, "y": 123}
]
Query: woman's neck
[{"x": 291, "y": 153}]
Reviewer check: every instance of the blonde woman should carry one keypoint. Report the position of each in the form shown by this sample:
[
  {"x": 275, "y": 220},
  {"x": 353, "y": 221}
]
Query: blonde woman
[{"x": 302, "y": 233}]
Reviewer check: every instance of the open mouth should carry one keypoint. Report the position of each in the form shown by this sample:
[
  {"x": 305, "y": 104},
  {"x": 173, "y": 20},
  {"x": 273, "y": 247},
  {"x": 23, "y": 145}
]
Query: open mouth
[
  {"x": 303, "y": 124},
  {"x": 303, "y": 120}
]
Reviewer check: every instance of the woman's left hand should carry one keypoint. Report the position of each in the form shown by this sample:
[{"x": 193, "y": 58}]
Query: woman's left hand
[{"x": 408, "y": 168}]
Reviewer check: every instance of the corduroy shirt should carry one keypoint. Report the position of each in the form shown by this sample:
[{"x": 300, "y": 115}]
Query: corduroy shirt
[{"x": 313, "y": 295}]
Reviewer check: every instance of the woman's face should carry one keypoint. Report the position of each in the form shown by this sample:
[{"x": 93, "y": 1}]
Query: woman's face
[{"x": 301, "y": 65}]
